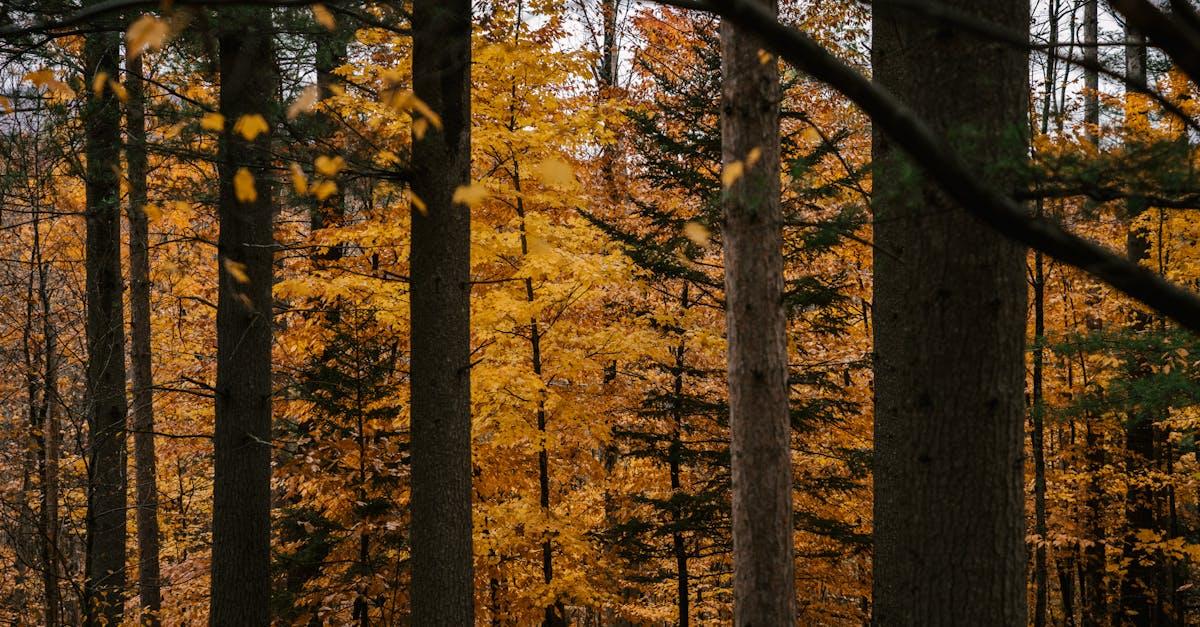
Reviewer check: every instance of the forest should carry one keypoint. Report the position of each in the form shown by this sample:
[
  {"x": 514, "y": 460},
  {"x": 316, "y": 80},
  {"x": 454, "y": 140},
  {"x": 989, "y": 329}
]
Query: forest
[{"x": 600, "y": 312}]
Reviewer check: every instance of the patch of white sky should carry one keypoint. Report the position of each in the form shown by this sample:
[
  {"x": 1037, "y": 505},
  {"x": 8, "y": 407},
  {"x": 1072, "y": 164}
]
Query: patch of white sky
[{"x": 1068, "y": 78}]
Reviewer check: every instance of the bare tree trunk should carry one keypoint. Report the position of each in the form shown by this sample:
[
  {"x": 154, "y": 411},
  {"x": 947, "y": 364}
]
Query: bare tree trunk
[
  {"x": 675, "y": 457},
  {"x": 764, "y": 568},
  {"x": 144, "y": 459},
  {"x": 241, "y": 578},
  {"x": 1138, "y": 597},
  {"x": 50, "y": 448},
  {"x": 443, "y": 591},
  {"x": 104, "y": 585},
  {"x": 950, "y": 303}
]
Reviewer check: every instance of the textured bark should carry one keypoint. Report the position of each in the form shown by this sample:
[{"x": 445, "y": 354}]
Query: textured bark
[
  {"x": 104, "y": 585},
  {"x": 1091, "y": 94},
  {"x": 950, "y": 302},
  {"x": 241, "y": 578},
  {"x": 50, "y": 453},
  {"x": 764, "y": 586},
  {"x": 1141, "y": 596},
  {"x": 142, "y": 411},
  {"x": 442, "y": 571},
  {"x": 675, "y": 455}
]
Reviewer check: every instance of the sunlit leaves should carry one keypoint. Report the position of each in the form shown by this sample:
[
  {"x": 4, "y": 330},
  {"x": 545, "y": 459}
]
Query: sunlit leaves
[
  {"x": 243, "y": 186},
  {"x": 470, "y": 195},
  {"x": 731, "y": 173},
  {"x": 250, "y": 126},
  {"x": 329, "y": 166},
  {"x": 146, "y": 33},
  {"x": 214, "y": 122},
  {"x": 236, "y": 270},
  {"x": 304, "y": 102},
  {"x": 555, "y": 172},
  {"x": 323, "y": 16},
  {"x": 45, "y": 79}
]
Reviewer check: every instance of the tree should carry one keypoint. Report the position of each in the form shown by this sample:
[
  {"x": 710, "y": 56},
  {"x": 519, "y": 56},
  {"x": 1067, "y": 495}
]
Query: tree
[
  {"x": 142, "y": 379},
  {"x": 752, "y": 234},
  {"x": 443, "y": 591},
  {"x": 241, "y": 555},
  {"x": 949, "y": 307},
  {"x": 106, "y": 404}
]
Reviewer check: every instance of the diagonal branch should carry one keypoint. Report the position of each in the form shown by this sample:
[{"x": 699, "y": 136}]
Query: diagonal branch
[{"x": 944, "y": 167}]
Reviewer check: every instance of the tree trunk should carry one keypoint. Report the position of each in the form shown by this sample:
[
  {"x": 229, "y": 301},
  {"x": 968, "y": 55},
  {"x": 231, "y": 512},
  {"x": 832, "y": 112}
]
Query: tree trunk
[
  {"x": 443, "y": 590},
  {"x": 241, "y": 578},
  {"x": 678, "y": 546},
  {"x": 50, "y": 453},
  {"x": 142, "y": 380},
  {"x": 104, "y": 586},
  {"x": 1138, "y": 588},
  {"x": 950, "y": 302},
  {"x": 764, "y": 578}
]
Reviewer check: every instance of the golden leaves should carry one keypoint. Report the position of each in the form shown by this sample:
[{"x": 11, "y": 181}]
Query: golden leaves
[
  {"x": 214, "y": 122},
  {"x": 243, "y": 186},
  {"x": 323, "y": 16},
  {"x": 329, "y": 166},
  {"x": 99, "y": 81},
  {"x": 324, "y": 189},
  {"x": 251, "y": 126},
  {"x": 44, "y": 78},
  {"x": 731, "y": 173},
  {"x": 555, "y": 172},
  {"x": 236, "y": 270},
  {"x": 6, "y": 104},
  {"x": 418, "y": 203},
  {"x": 304, "y": 102},
  {"x": 697, "y": 233},
  {"x": 152, "y": 211},
  {"x": 299, "y": 181},
  {"x": 470, "y": 195},
  {"x": 146, "y": 33}
]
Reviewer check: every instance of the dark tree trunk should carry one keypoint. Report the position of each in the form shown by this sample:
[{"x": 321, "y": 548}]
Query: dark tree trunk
[
  {"x": 675, "y": 456},
  {"x": 241, "y": 582},
  {"x": 1138, "y": 594},
  {"x": 443, "y": 591},
  {"x": 764, "y": 577},
  {"x": 142, "y": 380},
  {"x": 104, "y": 586},
  {"x": 950, "y": 302}
]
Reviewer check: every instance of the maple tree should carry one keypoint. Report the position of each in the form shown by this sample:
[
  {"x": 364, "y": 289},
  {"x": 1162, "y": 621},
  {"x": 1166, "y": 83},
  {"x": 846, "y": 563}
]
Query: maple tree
[{"x": 436, "y": 312}]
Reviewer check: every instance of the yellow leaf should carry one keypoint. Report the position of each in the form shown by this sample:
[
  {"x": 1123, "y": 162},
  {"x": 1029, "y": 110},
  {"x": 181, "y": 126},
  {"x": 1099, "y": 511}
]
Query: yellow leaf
[
  {"x": 299, "y": 181},
  {"x": 236, "y": 270},
  {"x": 329, "y": 166},
  {"x": 250, "y": 126},
  {"x": 407, "y": 101},
  {"x": 418, "y": 203},
  {"x": 753, "y": 156},
  {"x": 152, "y": 211},
  {"x": 243, "y": 186},
  {"x": 147, "y": 33},
  {"x": 99, "y": 81},
  {"x": 212, "y": 122},
  {"x": 6, "y": 104},
  {"x": 40, "y": 77},
  {"x": 387, "y": 157},
  {"x": 324, "y": 189},
  {"x": 323, "y": 16},
  {"x": 470, "y": 195},
  {"x": 764, "y": 57},
  {"x": 731, "y": 173},
  {"x": 303, "y": 102},
  {"x": 555, "y": 172},
  {"x": 119, "y": 90},
  {"x": 419, "y": 127},
  {"x": 697, "y": 233}
]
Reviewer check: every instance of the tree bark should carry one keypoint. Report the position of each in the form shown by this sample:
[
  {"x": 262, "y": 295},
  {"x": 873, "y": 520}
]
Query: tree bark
[
  {"x": 241, "y": 578},
  {"x": 104, "y": 585},
  {"x": 442, "y": 569},
  {"x": 142, "y": 380},
  {"x": 764, "y": 577},
  {"x": 950, "y": 303}
]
